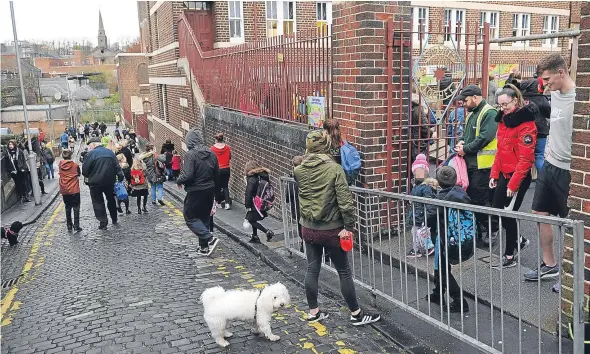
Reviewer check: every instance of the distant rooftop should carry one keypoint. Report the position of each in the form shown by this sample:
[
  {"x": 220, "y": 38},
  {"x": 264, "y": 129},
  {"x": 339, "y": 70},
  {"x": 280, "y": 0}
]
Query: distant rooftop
[{"x": 33, "y": 107}]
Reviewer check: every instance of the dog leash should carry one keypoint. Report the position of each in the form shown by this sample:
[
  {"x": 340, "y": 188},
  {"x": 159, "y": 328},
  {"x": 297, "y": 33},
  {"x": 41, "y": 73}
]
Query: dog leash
[{"x": 256, "y": 305}]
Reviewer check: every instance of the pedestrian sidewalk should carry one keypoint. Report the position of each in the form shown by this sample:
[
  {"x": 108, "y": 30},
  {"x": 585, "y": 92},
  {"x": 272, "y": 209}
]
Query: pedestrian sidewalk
[
  {"x": 28, "y": 213},
  {"x": 397, "y": 324}
]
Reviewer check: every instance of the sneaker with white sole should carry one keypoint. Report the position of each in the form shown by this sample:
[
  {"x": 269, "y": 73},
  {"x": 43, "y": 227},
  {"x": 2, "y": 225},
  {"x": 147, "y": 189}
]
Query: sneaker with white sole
[
  {"x": 362, "y": 319},
  {"x": 543, "y": 272},
  {"x": 317, "y": 317}
]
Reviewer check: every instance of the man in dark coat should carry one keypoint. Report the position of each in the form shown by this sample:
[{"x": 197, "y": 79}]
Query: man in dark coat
[
  {"x": 101, "y": 170},
  {"x": 200, "y": 178},
  {"x": 530, "y": 93}
]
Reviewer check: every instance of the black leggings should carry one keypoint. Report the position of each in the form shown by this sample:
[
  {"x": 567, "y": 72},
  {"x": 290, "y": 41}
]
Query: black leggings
[
  {"x": 126, "y": 202},
  {"x": 314, "y": 263},
  {"x": 257, "y": 226},
  {"x": 501, "y": 201},
  {"x": 145, "y": 197},
  {"x": 223, "y": 190}
]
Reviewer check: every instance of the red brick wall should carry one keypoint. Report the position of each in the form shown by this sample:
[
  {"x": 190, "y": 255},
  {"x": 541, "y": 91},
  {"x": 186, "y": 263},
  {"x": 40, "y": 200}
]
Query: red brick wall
[
  {"x": 359, "y": 83},
  {"x": 579, "y": 200}
]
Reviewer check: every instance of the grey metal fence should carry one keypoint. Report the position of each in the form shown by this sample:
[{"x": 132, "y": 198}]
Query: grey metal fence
[{"x": 506, "y": 315}]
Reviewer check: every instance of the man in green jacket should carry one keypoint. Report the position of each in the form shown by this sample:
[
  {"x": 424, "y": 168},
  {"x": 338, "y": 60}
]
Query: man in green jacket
[{"x": 478, "y": 147}]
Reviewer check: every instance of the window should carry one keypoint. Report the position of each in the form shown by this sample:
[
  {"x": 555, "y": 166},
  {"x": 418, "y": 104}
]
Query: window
[
  {"x": 236, "y": 21},
  {"x": 521, "y": 25},
  {"x": 453, "y": 19},
  {"x": 492, "y": 19},
  {"x": 197, "y": 5},
  {"x": 550, "y": 25},
  {"x": 420, "y": 22},
  {"x": 324, "y": 17},
  {"x": 163, "y": 103},
  {"x": 280, "y": 18}
]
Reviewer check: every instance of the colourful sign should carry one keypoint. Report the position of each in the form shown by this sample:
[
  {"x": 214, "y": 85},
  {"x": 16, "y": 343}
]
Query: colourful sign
[
  {"x": 502, "y": 71},
  {"x": 316, "y": 111}
]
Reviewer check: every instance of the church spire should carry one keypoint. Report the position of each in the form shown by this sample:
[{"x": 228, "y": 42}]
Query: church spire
[{"x": 102, "y": 37}]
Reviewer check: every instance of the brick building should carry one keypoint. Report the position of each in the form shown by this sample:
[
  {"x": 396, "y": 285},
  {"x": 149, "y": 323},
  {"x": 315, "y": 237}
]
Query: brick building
[
  {"x": 517, "y": 18},
  {"x": 134, "y": 88}
]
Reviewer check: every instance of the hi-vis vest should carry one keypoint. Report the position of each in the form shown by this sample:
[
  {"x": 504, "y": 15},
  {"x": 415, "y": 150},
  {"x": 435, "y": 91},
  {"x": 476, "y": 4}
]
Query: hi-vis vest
[{"x": 486, "y": 156}]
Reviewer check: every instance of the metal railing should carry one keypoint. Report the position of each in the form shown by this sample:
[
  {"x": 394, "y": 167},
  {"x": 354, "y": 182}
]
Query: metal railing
[
  {"x": 270, "y": 78},
  {"x": 507, "y": 315}
]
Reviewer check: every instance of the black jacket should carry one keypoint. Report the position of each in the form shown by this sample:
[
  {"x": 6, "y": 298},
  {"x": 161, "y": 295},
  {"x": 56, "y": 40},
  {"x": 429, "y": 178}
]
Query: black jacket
[
  {"x": 16, "y": 162},
  {"x": 167, "y": 147},
  {"x": 101, "y": 168},
  {"x": 253, "y": 178},
  {"x": 47, "y": 155},
  {"x": 453, "y": 194},
  {"x": 200, "y": 170},
  {"x": 531, "y": 94},
  {"x": 128, "y": 155}
]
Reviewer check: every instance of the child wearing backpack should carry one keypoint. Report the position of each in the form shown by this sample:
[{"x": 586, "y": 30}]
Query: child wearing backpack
[
  {"x": 459, "y": 226},
  {"x": 176, "y": 164},
  {"x": 342, "y": 152},
  {"x": 258, "y": 199},
  {"x": 426, "y": 188},
  {"x": 139, "y": 186}
]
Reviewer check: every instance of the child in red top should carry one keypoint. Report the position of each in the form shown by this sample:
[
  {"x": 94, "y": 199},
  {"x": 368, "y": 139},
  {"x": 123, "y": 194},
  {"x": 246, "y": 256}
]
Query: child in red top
[
  {"x": 176, "y": 163},
  {"x": 139, "y": 186},
  {"x": 223, "y": 153}
]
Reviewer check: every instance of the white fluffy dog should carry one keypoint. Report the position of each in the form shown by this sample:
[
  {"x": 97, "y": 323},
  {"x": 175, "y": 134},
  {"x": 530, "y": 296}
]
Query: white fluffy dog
[{"x": 254, "y": 306}]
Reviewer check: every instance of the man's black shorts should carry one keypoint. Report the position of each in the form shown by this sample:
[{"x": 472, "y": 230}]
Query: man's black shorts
[{"x": 552, "y": 190}]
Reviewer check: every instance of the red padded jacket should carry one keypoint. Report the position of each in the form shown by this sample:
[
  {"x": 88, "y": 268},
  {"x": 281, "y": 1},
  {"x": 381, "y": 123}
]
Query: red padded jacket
[{"x": 517, "y": 136}]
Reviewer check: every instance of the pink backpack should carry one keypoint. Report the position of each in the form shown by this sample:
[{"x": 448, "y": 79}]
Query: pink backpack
[{"x": 458, "y": 163}]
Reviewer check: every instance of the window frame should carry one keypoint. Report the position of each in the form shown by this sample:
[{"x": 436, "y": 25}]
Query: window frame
[
  {"x": 520, "y": 31},
  {"x": 486, "y": 16},
  {"x": 280, "y": 19},
  {"x": 453, "y": 30},
  {"x": 416, "y": 22},
  {"x": 324, "y": 22},
  {"x": 234, "y": 18},
  {"x": 550, "y": 42},
  {"x": 204, "y": 5}
]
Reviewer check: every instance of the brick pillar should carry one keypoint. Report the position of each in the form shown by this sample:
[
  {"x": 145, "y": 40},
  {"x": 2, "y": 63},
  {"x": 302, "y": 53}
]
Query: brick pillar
[
  {"x": 359, "y": 61},
  {"x": 579, "y": 200},
  {"x": 359, "y": 78}
]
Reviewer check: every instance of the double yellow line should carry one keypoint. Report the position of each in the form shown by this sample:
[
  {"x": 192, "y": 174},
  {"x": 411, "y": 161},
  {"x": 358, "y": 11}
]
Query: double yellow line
[{"x": 8, "y": 303}]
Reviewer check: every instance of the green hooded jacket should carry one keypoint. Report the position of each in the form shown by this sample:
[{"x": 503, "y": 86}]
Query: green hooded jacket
[{"x": 324, "y": 198}]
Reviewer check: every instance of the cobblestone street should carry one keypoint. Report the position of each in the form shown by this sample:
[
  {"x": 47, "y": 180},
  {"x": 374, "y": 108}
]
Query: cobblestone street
[{"x": 135, "y": 288}]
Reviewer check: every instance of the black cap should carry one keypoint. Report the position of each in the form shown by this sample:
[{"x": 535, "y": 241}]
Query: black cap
[
  {"x": 93, "y": 140},
  {"x": 469, "y": 90}
]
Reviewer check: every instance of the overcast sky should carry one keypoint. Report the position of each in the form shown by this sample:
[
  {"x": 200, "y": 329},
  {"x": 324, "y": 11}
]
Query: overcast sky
[{"x": 71, "y": 20}]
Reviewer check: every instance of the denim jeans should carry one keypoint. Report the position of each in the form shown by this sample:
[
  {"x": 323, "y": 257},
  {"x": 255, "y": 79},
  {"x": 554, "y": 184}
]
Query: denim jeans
[
  {"x": 540, "y": 153},
  {"x": 49, "y": 168},
  {"x": 157, "y": 188}
]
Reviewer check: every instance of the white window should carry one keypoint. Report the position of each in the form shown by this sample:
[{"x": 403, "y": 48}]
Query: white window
[
  {"x": 197, "y": 5},
  {"x": 324, "y": 17},
  {"x": 163, "y": 104},
  {"x": 491, "y": 18},
  {"x": 453, "y": 19},
  {"x": 280, "y": 18},
  {"x": 236, "y": 20},
  {"x": 521, "y": 25},
  {"x": 550, "y": 25},
  {"x": 420, "y": 22}
]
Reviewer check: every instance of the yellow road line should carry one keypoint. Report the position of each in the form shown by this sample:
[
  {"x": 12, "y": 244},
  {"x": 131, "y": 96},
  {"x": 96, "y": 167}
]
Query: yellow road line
[{"x": 33, "y": 261}]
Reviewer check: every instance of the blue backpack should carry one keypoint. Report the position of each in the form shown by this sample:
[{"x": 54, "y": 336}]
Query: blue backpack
[
  {"x": 121, "y": 191},
  {"x": 460, "y": 231},
  {"x": 351, "y": 162}
]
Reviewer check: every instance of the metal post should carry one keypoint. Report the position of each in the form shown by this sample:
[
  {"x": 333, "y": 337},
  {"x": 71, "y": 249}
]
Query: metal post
[
  {"x": 578, "y": 265},
  {"x": 485, "y": 66},
  {"x": 32, "y": 156}
]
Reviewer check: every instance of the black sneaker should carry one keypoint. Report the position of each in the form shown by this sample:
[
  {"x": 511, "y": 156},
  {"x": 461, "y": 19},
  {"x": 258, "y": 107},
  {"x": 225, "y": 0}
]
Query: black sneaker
[
  {"x": 455, "y": 306},
  {"x": 153, "y": 202},
  {"x": 204, "y": 251},
  {"x": 506, "y": 262},
  {"x": 70, "y": 228},
  {"x": 543, "y": 272},
  {"x": 77, "y": 228},
  {"x": 102, "y": 226},
  {"x": 269, "y": 235},
  {"x": 119, "y": 210},
  {"x": 317, "y": 317},
  {"x": 362, "y": 319},
  {"x": 161, "y": 202},
  {"x": 413, "y": 254},
  {"x": 127, "y": 211},
  {"x": 213, "y": 241},
  {"x": 254, "y": 239}
]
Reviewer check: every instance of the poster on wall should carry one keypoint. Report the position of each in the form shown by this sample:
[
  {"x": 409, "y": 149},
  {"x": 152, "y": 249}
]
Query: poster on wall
[
  {"x": 316, "y": 111},
  {"x": 502, "y": 71}
]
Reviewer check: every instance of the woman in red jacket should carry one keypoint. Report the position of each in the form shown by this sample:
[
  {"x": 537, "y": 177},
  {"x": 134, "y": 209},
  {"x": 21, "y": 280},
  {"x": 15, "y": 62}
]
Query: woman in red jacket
[
  {"x": 511, "y": 172},
  {"x": 223, "y": 153}
]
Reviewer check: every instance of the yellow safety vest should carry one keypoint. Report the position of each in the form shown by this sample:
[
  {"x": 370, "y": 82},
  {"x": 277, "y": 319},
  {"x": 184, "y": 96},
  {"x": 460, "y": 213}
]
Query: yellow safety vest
[{"x": 486, "y": 156}]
